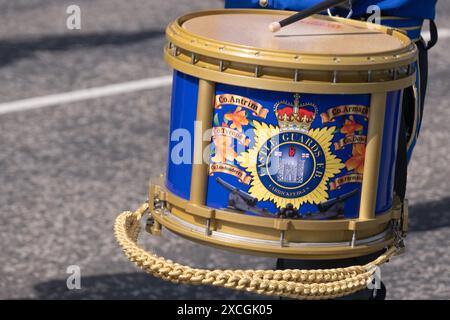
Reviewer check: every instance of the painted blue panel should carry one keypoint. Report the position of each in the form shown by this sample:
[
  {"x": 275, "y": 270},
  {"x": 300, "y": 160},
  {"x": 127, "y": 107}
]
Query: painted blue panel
[
  {"x": 253, "y": 108},
  {"x": 401, "y": 23},
  {"x": 389, "y": 152},
  {"x": 229, "y": 115},
  {"x": 183, "y": 115}
]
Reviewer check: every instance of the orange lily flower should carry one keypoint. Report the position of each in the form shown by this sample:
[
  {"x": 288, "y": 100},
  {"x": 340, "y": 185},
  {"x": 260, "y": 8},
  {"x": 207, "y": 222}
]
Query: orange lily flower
[
  {"x": 238, "y": 118},
  {"x": 356, "y": 162},
  {"x": 351, "y": 126},
  {"x": 224, "y": 149}
]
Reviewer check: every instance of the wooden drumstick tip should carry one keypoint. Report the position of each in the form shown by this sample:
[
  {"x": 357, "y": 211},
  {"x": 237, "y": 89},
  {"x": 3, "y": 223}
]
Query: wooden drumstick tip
[{"x": 275, "y": 27}]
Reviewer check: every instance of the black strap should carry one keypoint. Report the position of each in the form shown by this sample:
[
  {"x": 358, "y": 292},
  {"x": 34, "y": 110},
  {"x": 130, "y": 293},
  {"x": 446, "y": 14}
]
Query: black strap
[
  {"x": 434, "y": 35},
  {"x": 401, "y": 167}
]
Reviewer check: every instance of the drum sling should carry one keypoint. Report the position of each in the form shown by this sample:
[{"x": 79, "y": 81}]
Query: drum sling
[{"x": 298, "y": 284}]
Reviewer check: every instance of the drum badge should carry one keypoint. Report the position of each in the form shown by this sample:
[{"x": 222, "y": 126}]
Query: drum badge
[{"x": 291, "y": 163}]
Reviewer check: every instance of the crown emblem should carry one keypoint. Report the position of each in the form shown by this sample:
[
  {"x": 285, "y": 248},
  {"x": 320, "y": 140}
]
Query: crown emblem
[{"x": 297, "y": 116}]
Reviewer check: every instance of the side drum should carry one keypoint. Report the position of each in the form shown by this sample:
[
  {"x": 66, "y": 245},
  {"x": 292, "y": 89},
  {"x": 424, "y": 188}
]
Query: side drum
[{"x": 284, "y": 145}]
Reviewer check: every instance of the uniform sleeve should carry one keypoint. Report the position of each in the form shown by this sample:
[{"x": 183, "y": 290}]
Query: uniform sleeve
[{"x": 420, "y": 9}]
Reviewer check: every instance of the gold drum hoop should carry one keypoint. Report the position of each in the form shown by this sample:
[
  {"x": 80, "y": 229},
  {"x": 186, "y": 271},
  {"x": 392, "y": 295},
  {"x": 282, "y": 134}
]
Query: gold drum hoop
[{"x": 290, "y": 71}]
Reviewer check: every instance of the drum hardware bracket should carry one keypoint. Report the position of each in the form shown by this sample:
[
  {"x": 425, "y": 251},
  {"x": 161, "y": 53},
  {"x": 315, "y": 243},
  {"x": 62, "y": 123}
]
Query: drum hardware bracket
[
  {"x": 282, "y": 238},
  {"x": 221, "y": 66},
  {"x": 369, "y": 76},
  {"x": 296, "y": 75},
  {"x": 352, "y": 243},
  {"x": 152, "y": 226},
  {"x": 335, "y": 75},
  {"x": 193, "y": 58},
  {"x": 174, "y": 49},
  {"x": 158, "y": 203},
  {"x": 394, "y": 74},
  {"x": 208, "y": 231},
  {"x": 257, "y": 71}
]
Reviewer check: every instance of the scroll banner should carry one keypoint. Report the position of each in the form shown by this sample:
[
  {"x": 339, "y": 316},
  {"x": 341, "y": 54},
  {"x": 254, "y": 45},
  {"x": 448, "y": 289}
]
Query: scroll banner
[
  {"x": 224, "y": 131},
  {"x": 229, "y": 169},
  {"x": 344, "y": 110},
  {"x": 255, "y": 107},
  {"x": 350, "y": 178},
  {"x": 353, "y": 139}
]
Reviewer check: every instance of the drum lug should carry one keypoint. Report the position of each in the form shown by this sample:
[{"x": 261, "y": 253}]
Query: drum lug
[
  {"x": 193, "y": 58},
  {"x": 282, "y": 238},
  {"x": 153, "y": 227},
  {"x": 221, "y": 65},
  {"x": 394, "y": 74},
  {"x": 174, "y": 49},
  {"x": 257, "y": 71},
  {"x": 296, "y": 75},
  {"x": 335, "y": 76},
  {"x": 208, "y": 231},
  {"x": 157, "y": 196},
  {"x": 352, "y": 243},
  {"x": 410, "y": 70},
  {"x": 369, "y": 76},
  {"x": 158, "y": 206}
]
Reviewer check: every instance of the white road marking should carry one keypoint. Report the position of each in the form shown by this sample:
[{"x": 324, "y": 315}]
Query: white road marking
[
  {"x": 85, "y": 94},
  {"x": 443, "y": 34}
]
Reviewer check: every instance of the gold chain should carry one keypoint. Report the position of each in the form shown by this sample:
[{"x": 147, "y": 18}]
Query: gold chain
[{"x": 297, "y": 284}]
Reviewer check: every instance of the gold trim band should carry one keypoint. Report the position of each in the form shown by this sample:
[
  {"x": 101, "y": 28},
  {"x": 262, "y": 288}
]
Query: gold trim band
[
  {"x": 284, "y": 84},
  {"x": 199, "y": 180},
  {"x": 270, "y": 229}
]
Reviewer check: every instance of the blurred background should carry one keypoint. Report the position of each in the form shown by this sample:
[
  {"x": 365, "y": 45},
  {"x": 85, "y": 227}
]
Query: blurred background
[{"x": 68, "y": 169}]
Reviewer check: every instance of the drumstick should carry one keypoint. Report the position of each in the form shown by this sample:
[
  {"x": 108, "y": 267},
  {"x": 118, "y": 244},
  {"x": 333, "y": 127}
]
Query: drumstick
[{"x": 276, "y": 26}]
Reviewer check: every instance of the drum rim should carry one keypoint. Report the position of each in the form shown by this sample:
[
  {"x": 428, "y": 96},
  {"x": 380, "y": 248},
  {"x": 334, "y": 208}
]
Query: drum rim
[
  {"x": 324, "y": 230},
  {"x": 179, "y": 36},
  {"x": 296, "y": 250},
  {"x": 182, "y": 19},
  {"x": 287, "y": 84}
]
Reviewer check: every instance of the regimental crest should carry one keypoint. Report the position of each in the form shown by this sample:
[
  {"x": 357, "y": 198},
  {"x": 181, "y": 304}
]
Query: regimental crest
[
  {"x": 291, "y": 163},
  {"x": 295, "y": 116}
]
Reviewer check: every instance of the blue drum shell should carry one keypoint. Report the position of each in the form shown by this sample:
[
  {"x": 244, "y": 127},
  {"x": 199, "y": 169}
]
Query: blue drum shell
[{"x": 340, "y": 123}]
